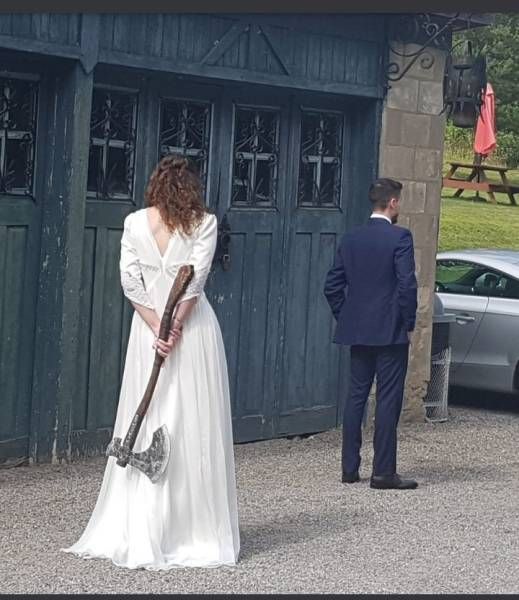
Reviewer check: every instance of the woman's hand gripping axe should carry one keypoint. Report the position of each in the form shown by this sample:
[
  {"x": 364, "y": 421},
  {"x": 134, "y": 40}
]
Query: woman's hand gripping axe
[{"x": 153, "y": 461}]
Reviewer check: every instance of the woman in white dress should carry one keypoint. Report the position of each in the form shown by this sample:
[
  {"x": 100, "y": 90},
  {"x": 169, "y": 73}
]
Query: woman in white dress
[{"x": 188, "y": 518}]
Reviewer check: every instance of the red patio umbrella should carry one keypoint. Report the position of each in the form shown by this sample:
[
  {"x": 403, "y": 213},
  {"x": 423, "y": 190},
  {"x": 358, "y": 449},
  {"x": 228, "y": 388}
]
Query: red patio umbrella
[{"x": 485, "y": 137}]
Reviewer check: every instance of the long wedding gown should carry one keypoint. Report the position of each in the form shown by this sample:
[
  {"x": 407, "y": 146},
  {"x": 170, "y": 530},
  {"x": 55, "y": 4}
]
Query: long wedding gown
[{"x": 189, "y": 517}]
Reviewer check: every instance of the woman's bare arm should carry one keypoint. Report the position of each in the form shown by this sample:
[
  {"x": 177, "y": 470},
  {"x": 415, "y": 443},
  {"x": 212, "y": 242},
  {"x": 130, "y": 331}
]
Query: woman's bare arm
[
  {"x": 183, "y": 311},
  {"x": 149, "y": 316}
]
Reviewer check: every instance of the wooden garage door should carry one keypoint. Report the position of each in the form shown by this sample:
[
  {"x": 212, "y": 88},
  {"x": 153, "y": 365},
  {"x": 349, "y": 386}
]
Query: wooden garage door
[{"x": 281, "y": 174}]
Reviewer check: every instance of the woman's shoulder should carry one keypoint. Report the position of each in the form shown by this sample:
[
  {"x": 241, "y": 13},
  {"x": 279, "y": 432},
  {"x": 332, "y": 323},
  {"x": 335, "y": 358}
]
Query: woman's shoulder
[
  {"x": 206, "y": 224},
  {"x": 209, "y": 218},
  {"x": 132, "y": 219}
]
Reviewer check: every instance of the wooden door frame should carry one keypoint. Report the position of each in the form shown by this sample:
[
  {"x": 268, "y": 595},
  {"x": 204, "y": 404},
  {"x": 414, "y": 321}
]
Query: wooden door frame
[{"x": 63, "y": 215}]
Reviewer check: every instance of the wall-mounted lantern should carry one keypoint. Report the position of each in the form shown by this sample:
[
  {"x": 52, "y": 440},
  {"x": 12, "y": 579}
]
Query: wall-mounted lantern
[
  {"x": 464, "y": 76},
  {"x": 464, "y": 85}
]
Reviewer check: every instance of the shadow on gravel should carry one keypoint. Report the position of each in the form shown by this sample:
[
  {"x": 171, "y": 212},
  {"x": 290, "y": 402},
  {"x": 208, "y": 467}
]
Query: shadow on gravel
[
  {"x": 482, "y": 399},
  {"x": 432, "y": 474},
  {"x": 286, "y": 532}
]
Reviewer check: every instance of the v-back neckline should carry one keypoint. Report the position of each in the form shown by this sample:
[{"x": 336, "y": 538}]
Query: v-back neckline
[{"x": 153, "y": 238}]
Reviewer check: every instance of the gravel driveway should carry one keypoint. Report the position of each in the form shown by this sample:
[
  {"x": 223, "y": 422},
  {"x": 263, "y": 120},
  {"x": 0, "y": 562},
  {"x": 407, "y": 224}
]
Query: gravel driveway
[{"x": 302, "y": 530}]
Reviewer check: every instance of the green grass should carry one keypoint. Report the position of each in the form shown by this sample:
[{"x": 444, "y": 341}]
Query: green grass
[{"x": 468, "y": 223}]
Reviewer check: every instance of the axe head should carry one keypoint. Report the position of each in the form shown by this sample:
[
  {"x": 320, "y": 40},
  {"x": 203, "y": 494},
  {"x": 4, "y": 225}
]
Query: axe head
[{"x": 152, "y": 462}]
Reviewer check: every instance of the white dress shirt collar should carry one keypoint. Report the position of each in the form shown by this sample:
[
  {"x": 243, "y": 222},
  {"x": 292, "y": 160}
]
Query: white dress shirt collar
[{"x": 380, "y": 216}]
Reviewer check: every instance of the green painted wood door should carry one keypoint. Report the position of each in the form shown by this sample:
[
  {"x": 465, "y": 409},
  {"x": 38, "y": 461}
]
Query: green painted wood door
[
  {"x": 317, "y": 215},
  {"x": 247, "y": 295},
  {"x": 285, "y": 190},
  {"x": 22, "y": 116},
  {"x": 118, "y": 135}
]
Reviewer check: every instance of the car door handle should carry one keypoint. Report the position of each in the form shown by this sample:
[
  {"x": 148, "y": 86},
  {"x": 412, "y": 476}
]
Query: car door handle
[{"x": 464, "y": 318}]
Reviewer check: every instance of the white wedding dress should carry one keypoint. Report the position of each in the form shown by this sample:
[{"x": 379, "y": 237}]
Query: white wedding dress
[{"x": 188, "y": 518}]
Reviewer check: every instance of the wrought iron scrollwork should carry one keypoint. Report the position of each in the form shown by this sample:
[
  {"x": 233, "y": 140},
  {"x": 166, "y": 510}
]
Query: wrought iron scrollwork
[
  {"x": 256, "y": 157},
  {"x": 320, "y": 159},
  {"x": 464, "y": 76},
  {"x": 18, "y": 110},
  {"x": 418, "y": 29},
  {"x": 112, "y": 144},
  {"x": 185, "y": 129}
]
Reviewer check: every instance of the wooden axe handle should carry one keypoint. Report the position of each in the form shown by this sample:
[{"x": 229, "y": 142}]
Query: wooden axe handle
[{"x": 178, "y": 289}]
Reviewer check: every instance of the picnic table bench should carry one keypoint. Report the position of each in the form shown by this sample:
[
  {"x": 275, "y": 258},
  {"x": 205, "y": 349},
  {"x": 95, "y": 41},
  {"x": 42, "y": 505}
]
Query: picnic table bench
[{"x": 478, "y": 181}]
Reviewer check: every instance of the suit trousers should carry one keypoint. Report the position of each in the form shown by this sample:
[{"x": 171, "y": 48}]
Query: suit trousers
[{"x": 389, "y": 365}]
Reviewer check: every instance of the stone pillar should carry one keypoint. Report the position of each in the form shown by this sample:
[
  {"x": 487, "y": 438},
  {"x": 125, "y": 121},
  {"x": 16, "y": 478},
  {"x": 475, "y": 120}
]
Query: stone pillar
[{"x": 411, "y": 151}]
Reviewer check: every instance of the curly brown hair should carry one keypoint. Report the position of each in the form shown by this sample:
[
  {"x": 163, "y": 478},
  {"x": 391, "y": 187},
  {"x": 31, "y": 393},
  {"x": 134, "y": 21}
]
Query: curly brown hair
[{"x": 176, "y": 191}]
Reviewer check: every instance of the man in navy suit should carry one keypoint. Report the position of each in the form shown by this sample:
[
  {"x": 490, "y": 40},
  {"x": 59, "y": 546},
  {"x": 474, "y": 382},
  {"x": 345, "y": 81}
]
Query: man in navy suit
[{"x": 372, "y": 292}]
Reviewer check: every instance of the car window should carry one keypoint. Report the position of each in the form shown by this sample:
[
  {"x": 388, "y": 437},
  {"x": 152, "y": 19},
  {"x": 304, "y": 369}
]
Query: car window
[
  {"x": 462, "y": 277},
  {"x": 506, "y": 287}
]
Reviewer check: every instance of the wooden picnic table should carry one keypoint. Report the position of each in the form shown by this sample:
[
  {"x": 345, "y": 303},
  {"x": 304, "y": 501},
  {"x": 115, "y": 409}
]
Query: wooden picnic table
[{"x": 478, "y": 181}]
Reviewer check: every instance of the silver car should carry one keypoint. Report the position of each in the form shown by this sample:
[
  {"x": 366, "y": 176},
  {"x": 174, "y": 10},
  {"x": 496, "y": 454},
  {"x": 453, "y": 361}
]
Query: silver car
[{"x": 481, "y": 287}]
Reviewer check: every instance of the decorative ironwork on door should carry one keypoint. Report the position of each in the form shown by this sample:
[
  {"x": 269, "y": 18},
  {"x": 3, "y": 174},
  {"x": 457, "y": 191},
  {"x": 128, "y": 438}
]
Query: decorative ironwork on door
[
  {"x": 256, "y": 157},
  {"x": 18, "y": 109},
  {"x": 320, "y": 159},
  {"x": 185, "y": 129},
  {"x": 112, "y": 144}
]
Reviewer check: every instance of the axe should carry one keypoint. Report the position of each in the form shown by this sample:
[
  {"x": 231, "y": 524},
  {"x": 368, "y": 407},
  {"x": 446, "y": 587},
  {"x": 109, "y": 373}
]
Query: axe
[{"x": 153, "y": 461}]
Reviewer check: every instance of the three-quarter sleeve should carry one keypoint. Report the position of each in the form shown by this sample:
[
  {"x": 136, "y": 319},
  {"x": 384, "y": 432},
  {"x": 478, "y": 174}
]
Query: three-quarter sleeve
[
  {"x": 202, "y": 255},
  {"x": 131, "y": 275}
]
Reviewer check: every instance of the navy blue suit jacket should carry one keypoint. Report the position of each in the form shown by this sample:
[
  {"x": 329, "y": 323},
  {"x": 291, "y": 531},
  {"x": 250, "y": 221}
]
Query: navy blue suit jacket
[{"x": 372, "y": 287}]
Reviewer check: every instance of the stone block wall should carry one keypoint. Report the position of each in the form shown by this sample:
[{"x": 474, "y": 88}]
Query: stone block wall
[{"x": 411, "y": 150}]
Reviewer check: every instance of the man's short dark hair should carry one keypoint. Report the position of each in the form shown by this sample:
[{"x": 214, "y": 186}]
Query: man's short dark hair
[{"x": 382, "y": 190}]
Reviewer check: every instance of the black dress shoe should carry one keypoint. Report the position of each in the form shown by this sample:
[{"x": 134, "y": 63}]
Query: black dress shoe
[
  {"x": 350, "y": 477},
  {"x": 392, "y": 482}
]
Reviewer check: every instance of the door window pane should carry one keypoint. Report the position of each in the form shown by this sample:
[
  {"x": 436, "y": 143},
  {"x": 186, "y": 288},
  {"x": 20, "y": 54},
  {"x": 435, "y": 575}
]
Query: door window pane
[
  {"x": 320, "y": 159},
  {"x": 112, "y": 144},
  {"x": 18, "y": 106},
  {"x": 185, "y": 129},
  {"x": 256, "y": 157}
]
